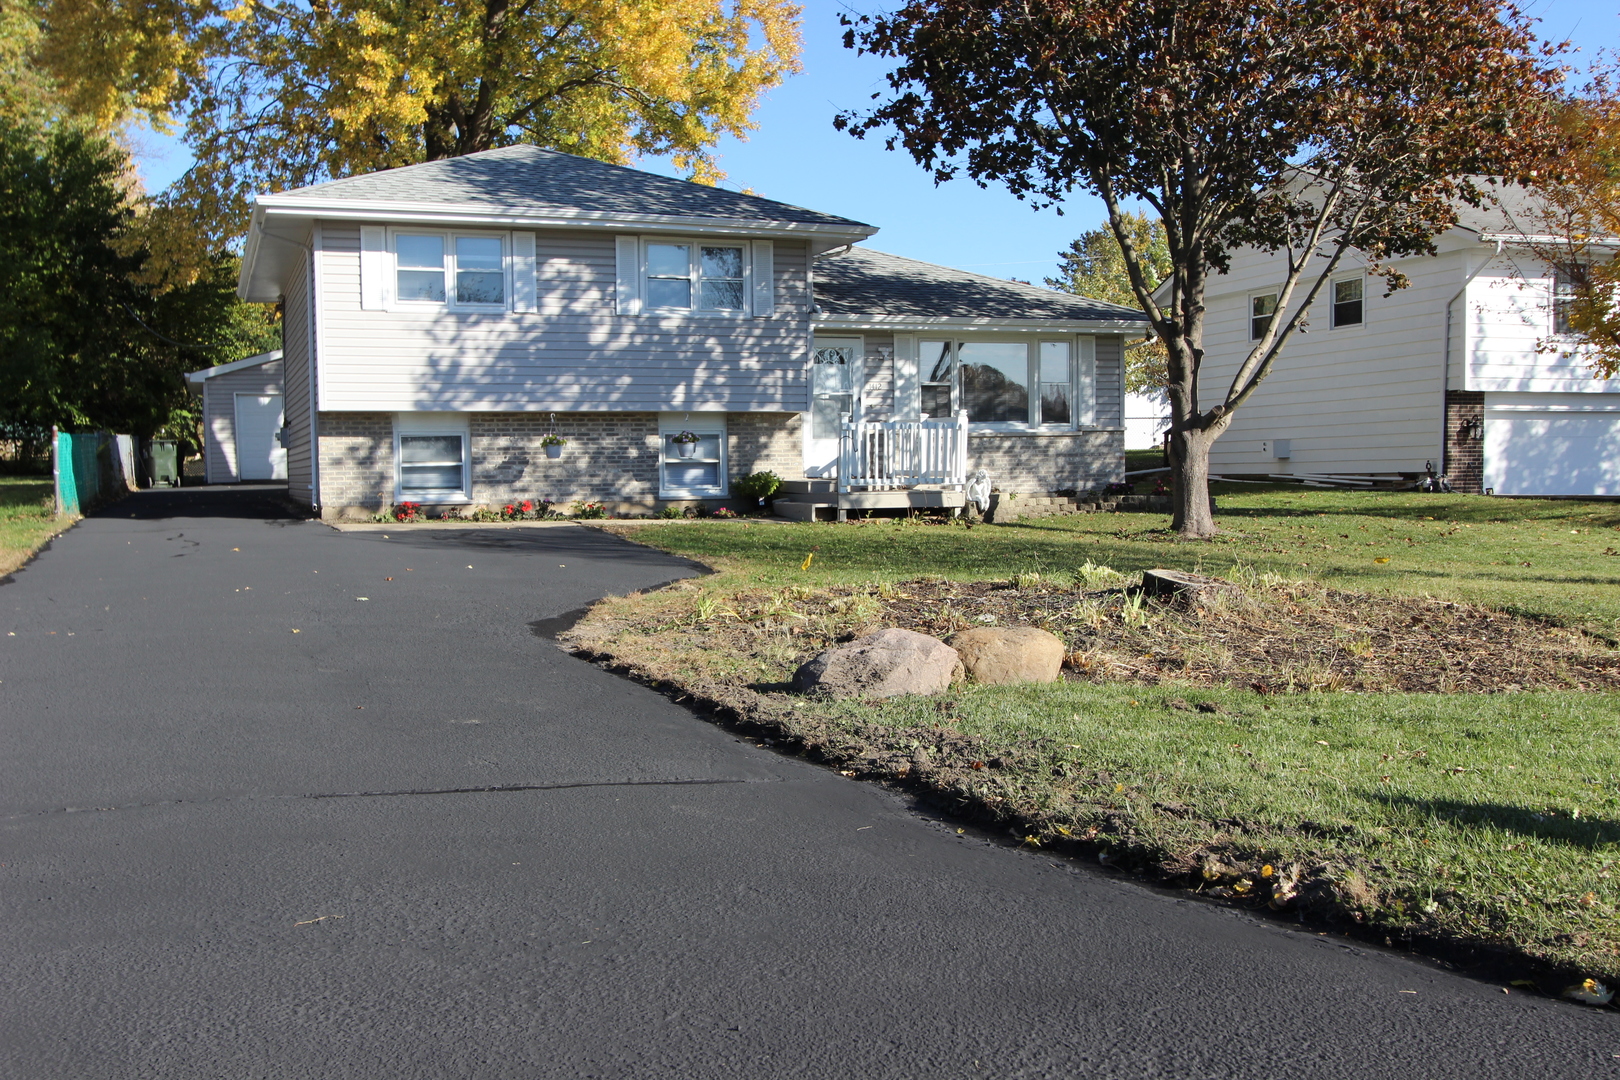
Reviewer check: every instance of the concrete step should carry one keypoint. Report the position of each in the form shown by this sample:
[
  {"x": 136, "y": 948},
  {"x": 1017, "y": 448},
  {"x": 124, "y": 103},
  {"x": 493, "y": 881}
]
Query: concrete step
[{"x": 800, "y": 511}]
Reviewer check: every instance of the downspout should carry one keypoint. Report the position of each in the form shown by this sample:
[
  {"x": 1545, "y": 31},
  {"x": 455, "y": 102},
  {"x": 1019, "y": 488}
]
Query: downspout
[{"x": 1445, "y": 363}]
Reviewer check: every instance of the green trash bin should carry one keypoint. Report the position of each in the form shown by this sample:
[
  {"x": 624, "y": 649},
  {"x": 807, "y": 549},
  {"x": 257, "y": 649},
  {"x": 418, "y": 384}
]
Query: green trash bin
[{"x": 162, "y": 463}]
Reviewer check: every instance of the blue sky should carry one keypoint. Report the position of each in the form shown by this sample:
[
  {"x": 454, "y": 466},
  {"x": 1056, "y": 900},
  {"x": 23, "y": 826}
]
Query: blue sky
[{"x": 796, "y": 156}]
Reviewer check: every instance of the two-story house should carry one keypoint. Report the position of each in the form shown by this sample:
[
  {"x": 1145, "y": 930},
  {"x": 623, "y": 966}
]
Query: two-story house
[
  {"x": 442, "y": 319},
  {"x": 1468, "y": 368}
]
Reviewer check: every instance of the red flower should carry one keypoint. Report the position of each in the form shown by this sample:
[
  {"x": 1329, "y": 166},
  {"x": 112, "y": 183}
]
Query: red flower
[{"x": 528, "y": 504}]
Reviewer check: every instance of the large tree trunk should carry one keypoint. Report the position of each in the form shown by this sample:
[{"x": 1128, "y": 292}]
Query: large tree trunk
[{"x": 1189, "y": 469}]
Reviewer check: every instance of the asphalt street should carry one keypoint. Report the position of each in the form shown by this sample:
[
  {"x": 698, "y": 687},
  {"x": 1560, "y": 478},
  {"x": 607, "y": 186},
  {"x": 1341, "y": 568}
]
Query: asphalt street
[{"x": 279, "y": 801}]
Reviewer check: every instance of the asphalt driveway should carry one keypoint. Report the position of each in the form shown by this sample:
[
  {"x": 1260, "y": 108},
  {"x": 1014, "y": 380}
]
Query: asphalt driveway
[{"x": 279, "y": 801}]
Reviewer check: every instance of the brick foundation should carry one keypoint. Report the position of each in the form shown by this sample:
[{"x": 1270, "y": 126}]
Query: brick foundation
[
  {"x": 611, "y": 458},
  {"x": 1465, "y": 440},
  {"x": 1047, "y": 463}
]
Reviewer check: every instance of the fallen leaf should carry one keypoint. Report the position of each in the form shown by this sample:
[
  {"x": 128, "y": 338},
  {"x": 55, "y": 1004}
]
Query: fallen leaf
[
  {"x": 1381, "y": 559},
  {"x": 362, "y": 598},
  {"x": 1590, "y": 992},
  {"x": 323, "y": 918},
  {"x": 295, "y": 631}
]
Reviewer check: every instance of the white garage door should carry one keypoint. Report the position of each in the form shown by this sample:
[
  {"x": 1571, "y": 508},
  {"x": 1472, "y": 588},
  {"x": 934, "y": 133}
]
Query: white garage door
[
  {"x": 259, "y": 454},
  {"x": 1552, "y": 453}
]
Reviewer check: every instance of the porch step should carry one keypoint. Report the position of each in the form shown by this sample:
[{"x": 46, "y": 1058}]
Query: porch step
[
  {"x": 794, "y": 510},
  {"x": 808, "y": 486},
  {"x": 822, "y": 506}
]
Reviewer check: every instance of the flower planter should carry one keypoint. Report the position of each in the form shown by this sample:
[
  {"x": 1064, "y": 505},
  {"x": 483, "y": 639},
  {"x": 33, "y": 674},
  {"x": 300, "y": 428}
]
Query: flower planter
[
  {"x": 685, "y": 449},
  {"x": 553, "y": 452}
]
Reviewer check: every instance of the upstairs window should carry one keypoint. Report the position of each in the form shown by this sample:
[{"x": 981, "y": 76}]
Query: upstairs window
[
  {"x": 1347, "y": 302},
  {"x": 455, "y": 270},
  {"x": 1262, "y": 309},
  {"x": 691, "y": 276},
  {"x": 421, "y": 267}
]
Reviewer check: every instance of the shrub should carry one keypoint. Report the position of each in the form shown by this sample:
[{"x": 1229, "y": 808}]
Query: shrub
[
  {"x": 724, "y": 512},
  {"x": 590, "y": 511},
  {"x": 760, "y": 485},
  {"x": 408, "y": 511},
  {"x": 671, "y": 513}
]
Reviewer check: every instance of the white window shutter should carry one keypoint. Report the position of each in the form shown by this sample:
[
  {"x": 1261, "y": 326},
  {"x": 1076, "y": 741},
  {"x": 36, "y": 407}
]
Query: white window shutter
[
  {"x": 907, "y": 384},
  {"x": 1088, "y": 382},
  {"x": 764, "y": 278},
  {"x": 627, "y": 291},
  {"x": 373, "y": 268},
  {"x": 523, "y": 290}
]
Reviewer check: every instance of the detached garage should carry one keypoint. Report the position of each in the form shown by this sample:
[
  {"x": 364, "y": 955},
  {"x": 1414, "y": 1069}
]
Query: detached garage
[
  {"x": 242, "y": 419},
  {"x": 1552, "y": 444}
]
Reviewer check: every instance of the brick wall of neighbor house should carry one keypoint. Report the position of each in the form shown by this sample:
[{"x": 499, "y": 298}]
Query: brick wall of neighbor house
[
  {"x": 610, "y": 458},
  {"x": 1465, "y": 450},
  {"x": 765, "y": 441},
  {"x": 356, "y": 463},
  {"x": 1047, "y": 463}
]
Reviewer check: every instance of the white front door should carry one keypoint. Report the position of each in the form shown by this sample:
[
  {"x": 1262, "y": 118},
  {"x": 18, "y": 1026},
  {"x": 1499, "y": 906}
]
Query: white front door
[
  {"x": 259, "y": 453},
  {"x": 835, "y": 384}
]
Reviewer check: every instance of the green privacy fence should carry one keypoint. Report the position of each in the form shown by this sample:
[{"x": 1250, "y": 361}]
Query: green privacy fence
[{"x": 78, "y": 470}]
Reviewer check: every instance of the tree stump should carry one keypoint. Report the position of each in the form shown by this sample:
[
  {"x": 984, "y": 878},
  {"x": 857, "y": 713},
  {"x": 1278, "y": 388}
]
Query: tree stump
[{"x": 1190, "y": 588}]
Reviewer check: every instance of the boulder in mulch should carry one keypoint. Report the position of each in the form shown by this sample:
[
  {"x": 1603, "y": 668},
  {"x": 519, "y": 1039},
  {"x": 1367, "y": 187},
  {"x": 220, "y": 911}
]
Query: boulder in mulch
[
  {"x": 886, "y": 664},
  {"x": 1010, "y": 654}
]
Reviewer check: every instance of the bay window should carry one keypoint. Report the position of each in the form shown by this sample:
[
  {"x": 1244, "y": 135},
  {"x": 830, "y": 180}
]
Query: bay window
[{"x": 1030, "y": 384}]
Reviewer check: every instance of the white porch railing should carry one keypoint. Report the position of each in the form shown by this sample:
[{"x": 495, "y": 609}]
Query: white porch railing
[{"x": 886, "y": 455}]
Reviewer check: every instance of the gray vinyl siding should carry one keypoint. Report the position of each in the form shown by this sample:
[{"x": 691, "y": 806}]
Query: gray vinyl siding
[
  {"x": 1110, "y": 382},
  {"x": 219, "y": 415},
  {"x": 295, "y": 336},
  {"x": 573, "y": 354}
]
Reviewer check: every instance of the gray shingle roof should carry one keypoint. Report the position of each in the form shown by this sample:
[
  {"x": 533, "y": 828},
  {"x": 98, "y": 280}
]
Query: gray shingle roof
[
  {"x": 866, "y": 282},
  {"x": 542, "y": 180}
]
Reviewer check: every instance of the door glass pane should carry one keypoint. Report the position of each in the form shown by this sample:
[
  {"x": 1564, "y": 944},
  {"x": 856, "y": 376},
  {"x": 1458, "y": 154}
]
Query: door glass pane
[
  {"x": 669, "y": 260},
  {"x": 669, "y": 292},
  {"x": 826, "y": 412},
  {"x": 689, "y": 474},
  {"x": 995, "y": 381},
  {"x": 725, "y": 295}
]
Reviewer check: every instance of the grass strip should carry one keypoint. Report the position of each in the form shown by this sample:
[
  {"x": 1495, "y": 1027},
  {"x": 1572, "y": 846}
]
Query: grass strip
[{"x": 27, "y": 519}]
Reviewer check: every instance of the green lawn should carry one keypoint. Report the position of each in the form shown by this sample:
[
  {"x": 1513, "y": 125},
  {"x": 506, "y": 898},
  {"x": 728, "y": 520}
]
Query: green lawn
[
  {"x": 26, "y": 519},
  {"x": 1480, "y": 818}
]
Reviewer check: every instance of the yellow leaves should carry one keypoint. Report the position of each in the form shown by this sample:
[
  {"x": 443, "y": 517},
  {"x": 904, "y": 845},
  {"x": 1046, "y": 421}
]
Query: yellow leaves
[
  {"x": 1381, "y": 560},
  {"x": 1589, "y": 992},
  {"x": 807, "y": 561}
]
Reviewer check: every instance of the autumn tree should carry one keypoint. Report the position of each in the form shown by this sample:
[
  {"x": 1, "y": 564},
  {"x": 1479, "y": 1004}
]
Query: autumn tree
[
  {"x": 1094, "y": 265},
  {"x": 1300, "y": 127},
  {"x": 280, "y": 95},
  {"x": 1574, "y": 229}
]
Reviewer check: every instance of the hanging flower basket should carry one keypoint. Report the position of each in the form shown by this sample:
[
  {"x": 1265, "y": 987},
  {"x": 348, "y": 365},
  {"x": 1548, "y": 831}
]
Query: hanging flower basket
[
  {"x": 686, "y": 443},
  {"x": 553, "y": 444}
]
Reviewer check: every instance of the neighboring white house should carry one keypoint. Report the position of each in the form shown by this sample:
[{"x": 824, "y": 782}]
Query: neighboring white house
[
  {"x": 242, "y": 419},
  {"x": 1452, "y": 370},
  {"x": 441, "y": 320}
]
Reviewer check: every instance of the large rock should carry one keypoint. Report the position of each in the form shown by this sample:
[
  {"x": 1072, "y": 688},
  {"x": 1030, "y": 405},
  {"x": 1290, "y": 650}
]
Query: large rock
[
  {"x": 1010, "y": 654},
  {"x": 885, "y": 664}
]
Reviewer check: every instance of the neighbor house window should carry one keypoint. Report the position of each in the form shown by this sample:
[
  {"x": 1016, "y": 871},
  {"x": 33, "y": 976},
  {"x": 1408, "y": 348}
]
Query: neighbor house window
[
  {"x": 1029, "y": 384},
  {"x": 692, "y": 470},
  {"x": 1567, "y": 283},
  {"x": 695, "y": 276},
  {"x": 474, "y": 267},
  {"x": 1262, "y": 309},
  {"x": 1347, "y": 302}
]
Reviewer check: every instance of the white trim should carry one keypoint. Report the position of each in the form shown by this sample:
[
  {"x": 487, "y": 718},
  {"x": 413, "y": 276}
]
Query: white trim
[
  {"x": 434, "y": 423},
  {"x": 627, "y": 275},
  {"x": 942, "y": 325},
  {"x": 313, "y": 307},
  {"x": 699, "y": 423},
  {"x": 317, "y": 316},
  {"x": 449, "y": 303},
  {"x": 205, "y": 374}
]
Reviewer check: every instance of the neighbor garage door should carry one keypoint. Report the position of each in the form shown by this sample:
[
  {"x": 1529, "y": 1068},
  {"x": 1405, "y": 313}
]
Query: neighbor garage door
[{"x": 1548, "y": 452}]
